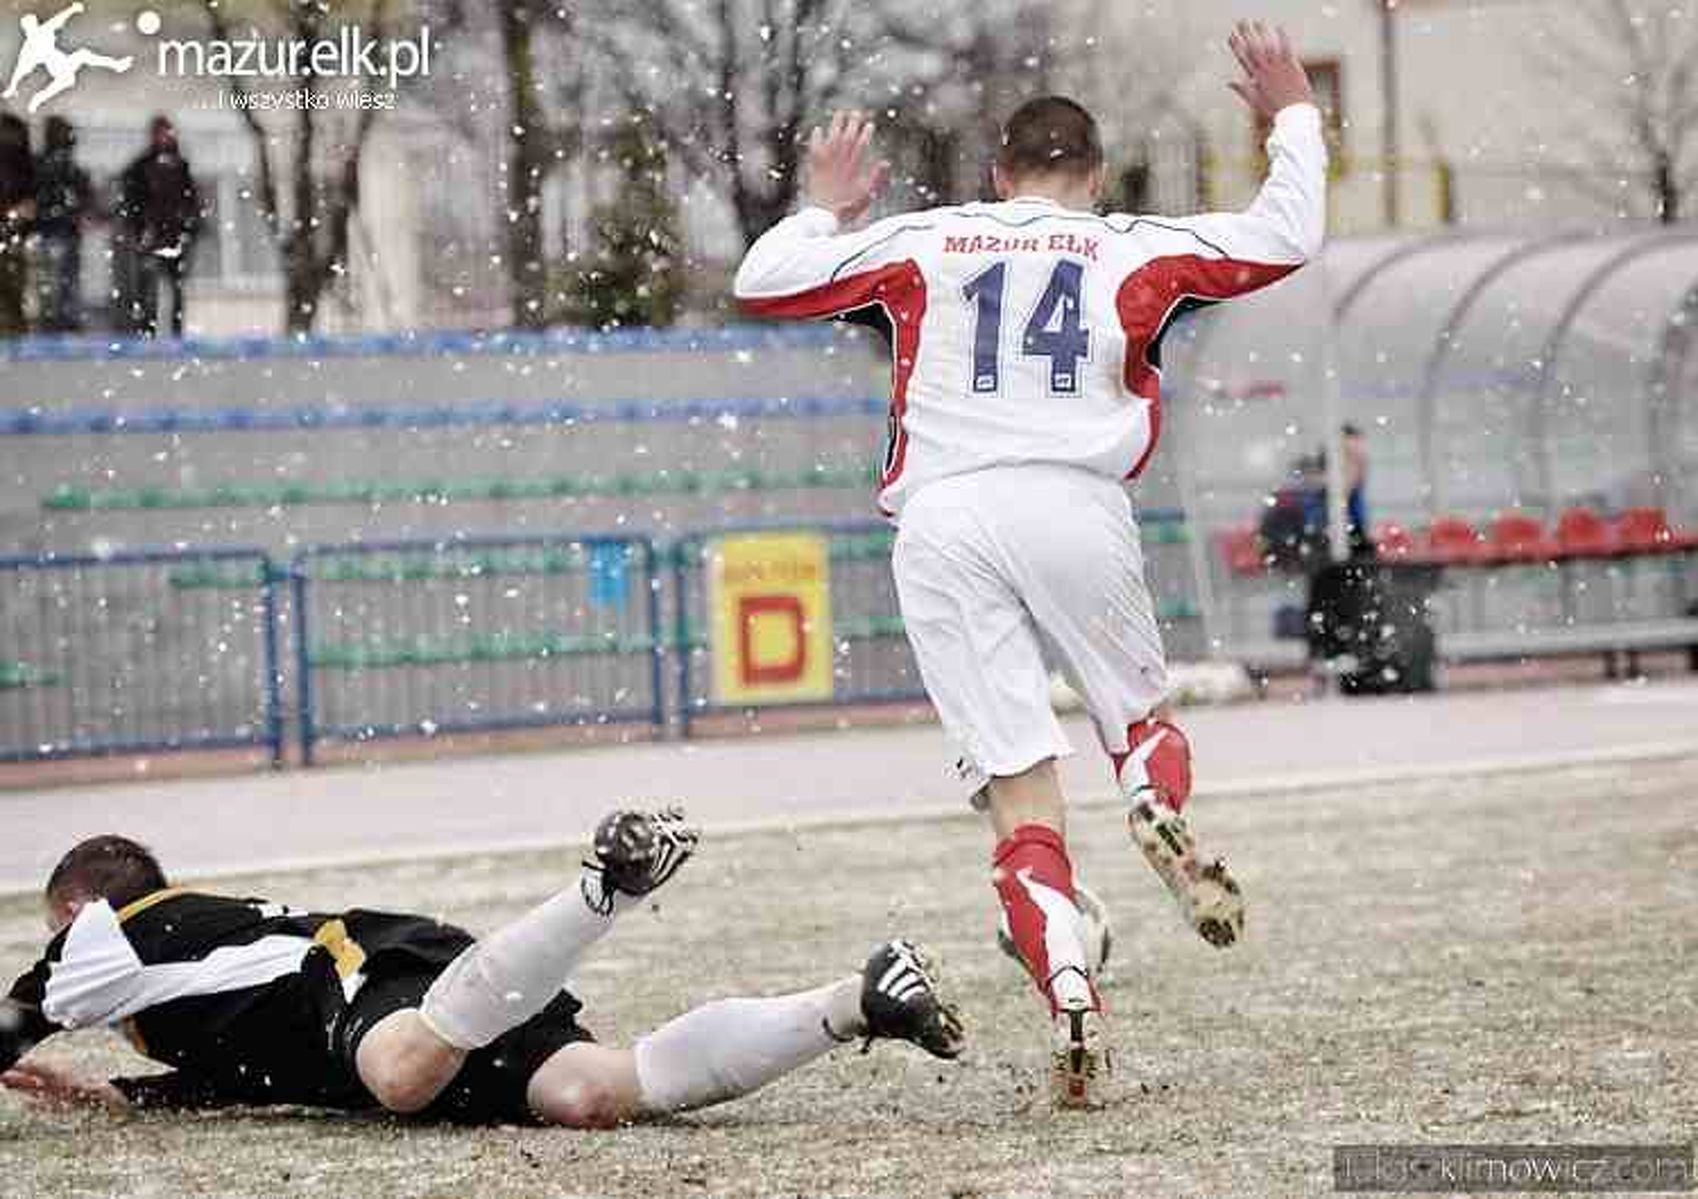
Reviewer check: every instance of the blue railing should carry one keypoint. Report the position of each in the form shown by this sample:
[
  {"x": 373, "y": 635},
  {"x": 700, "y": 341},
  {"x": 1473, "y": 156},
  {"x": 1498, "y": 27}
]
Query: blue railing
[
  {"x": 155, "y": 650},
  {"x": 732, "y": 338},
  {"x": 103, "y": 654},
  {"x": 421, "y": 637},
  {"x": 38, "y": 421}
]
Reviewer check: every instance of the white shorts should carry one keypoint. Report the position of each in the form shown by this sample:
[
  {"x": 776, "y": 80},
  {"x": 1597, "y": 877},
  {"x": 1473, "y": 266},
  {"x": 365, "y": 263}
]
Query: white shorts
[{"x": 997, "y": 567}]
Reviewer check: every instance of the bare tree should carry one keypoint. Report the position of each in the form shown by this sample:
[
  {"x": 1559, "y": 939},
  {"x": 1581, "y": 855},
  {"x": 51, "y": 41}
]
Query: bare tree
[
  {"x": 965, "y": 69},
  {"x": 970, "y": 66},
  {"x": 1635, "y": 63},
  {"x": 733, "y": 85},
  {"x": 540, "y": 136},
  {"x": 1132, "y": 67},
  {"x": 532, "y": 55},
  {"x": 312, "y": 228}
]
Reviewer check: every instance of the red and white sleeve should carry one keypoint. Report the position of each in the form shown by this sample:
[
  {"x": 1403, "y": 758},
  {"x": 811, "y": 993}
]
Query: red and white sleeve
[
  {"x": 1202, "y": 260},
  {"x": 1285, "y": 224},
  {"x": 803, "y": 267}
]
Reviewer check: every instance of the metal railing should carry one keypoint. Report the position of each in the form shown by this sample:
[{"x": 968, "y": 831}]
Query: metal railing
[
  {"x": 722, "y": 339},
  {"x": 156, "y": 650},
  {"x": 113, "y": 653},
  {"x": 415, "y": 637}
]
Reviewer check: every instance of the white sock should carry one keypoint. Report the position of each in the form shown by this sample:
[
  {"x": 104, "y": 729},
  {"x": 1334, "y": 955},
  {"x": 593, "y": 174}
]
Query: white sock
[
  {"x": 512, "y": 974},
  {"x": 733, "y": 1046}
]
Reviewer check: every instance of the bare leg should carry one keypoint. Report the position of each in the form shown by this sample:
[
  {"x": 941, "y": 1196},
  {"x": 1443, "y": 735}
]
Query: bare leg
[
  {"x": 716, "y": 1052},
  {"x": 404, "y": 1064},
  {"x": 719, "y": 1051},
  {"x": 1033, "y": 797},
  {"x": 585, "y": 1085}
]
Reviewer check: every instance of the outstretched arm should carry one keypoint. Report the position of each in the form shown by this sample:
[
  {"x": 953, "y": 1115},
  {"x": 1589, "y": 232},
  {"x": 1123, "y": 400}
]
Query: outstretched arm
[
  {"x": 1202, "y": 260},
  {"x": 22, "y": 1028},
  {"x": 24, "y": 1025},
  {"x": 1286, "y": 222},
  {"x": 807, "y": 265},
  {"x": 53, "y": 1084}
]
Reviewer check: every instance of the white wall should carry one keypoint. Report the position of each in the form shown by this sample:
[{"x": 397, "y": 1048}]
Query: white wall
[{"x": 1466, "y": 73}]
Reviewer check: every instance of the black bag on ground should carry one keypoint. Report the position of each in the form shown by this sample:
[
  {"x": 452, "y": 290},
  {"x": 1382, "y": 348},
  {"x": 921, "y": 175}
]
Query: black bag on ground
[{"x": 1378, "y": 617}]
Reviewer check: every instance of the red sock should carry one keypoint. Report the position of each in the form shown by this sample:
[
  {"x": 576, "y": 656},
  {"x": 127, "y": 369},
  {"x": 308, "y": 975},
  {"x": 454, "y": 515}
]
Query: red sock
[
  {"x": 1034, "y": 880},
  {"x": 1158, "y": 756}
]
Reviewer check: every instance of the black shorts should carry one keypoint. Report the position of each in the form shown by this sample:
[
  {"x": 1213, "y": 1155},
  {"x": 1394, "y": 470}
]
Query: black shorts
[{"x": 491, "y": 1086}]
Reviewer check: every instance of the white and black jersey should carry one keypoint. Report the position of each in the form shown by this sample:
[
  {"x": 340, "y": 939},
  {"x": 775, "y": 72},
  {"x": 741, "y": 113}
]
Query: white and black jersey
[{"x": 249, "y": 1001}]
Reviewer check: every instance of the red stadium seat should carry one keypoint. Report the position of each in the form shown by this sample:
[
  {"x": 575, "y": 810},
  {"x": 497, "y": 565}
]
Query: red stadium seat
[
  {"x": 1644, "y": 531},
  {"x": 1453, "y": 541},
  {"x": 1242, "y": 551},
  {"x": 1519, "y": 537},
  {"x": 1583, "y": 533},
  {"x": 1394, "y": 542}
]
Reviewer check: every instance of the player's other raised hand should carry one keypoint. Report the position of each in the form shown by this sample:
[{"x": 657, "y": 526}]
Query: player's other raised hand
[
  {"x": 1273, "y": 78},
  {"x": 841, "y": 176}
]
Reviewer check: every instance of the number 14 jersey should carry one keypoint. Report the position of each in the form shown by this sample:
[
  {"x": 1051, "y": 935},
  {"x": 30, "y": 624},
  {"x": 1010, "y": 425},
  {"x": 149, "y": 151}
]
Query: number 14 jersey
[{"x": 1029, "y": 332}]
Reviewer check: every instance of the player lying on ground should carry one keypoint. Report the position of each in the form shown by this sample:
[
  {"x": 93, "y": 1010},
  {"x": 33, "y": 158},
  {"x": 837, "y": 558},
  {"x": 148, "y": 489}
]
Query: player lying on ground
[
  {"x": 253, "y": 1003},
  {"x": 1026, "y": 388}
]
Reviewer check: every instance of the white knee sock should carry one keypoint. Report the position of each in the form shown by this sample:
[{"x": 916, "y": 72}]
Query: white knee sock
[
  {"x": 733, "y": 1046},
  {"x": 512, "y": 974}
]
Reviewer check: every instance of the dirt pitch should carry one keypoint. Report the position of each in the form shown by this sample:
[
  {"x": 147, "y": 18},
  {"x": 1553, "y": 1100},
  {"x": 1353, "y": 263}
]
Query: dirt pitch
[{"x": 1507, "y": 959}]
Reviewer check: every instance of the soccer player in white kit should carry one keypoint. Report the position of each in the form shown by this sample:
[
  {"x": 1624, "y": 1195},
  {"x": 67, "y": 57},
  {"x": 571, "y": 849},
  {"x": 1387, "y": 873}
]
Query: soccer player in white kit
[{"x": 1026, "y": 389}]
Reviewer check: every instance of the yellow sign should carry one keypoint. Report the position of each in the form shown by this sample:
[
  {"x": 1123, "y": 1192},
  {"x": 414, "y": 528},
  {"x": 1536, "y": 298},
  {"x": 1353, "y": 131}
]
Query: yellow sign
[{"x": 770, "y": 599}]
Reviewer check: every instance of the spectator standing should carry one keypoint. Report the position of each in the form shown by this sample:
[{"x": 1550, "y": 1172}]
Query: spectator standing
[
  {"x": 160, "y": 216},
  {"x": 17, "y": 210},
  {"x": 1356, "y": 490},
  {"x": 64, "y": 200}
]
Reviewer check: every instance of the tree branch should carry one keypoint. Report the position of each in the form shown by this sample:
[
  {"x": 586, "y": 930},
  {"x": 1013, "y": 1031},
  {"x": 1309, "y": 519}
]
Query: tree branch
[{"x": 239, "y": 92}]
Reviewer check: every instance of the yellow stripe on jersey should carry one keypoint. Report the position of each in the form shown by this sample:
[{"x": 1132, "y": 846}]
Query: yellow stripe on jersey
[
  {"x": 138, "y": 906},
  {"x": 344, "y": 950}
]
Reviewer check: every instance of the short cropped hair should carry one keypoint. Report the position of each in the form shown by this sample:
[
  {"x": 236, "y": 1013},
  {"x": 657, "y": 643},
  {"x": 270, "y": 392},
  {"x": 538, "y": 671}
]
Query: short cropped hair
[
  {"x": 1047, "y": 135},
  {"x": 112, "y": 868}
]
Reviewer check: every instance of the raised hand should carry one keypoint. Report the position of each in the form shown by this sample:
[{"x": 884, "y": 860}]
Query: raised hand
[
  {"x": 1273, "y": 78},
  {"x": 840, "y": 178}
]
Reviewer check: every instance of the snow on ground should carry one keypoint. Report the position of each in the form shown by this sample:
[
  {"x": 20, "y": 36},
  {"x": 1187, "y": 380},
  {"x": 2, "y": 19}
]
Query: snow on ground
[{"x": 1502, "y": 957}]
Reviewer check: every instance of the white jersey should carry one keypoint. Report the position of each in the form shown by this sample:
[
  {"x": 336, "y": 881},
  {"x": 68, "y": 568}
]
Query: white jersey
[{"x": 1026, "y": 332}]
